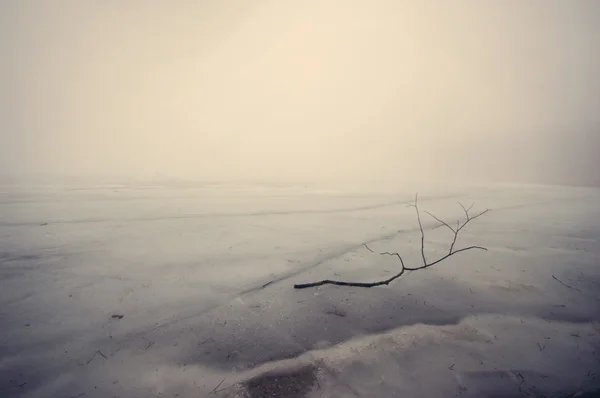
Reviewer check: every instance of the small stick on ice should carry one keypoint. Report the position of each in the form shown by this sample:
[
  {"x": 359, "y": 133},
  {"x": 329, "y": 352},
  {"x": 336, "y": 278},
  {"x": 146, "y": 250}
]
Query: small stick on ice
[
  {"x": 266, "y": 284},
  {"x": 541, "y": 347},
  {"x": 451, "y": 251},
  {"x": 219, "y": 385},
  {"x": 14, "y": 386},
  {"x": 90, "y": 360},
  {"x": 564, "y": 284}
]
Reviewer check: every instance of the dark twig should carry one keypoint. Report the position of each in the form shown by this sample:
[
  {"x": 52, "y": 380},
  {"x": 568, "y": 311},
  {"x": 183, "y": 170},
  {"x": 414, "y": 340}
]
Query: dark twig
[
  {"x": 541, "y": 347},
  {"x": 421, "y": 228},
  {"x": 356, "y": 284},
  {"x": 403, "y": 268},
  {"x": 223, "y": 389},
  {"x": 564, "y": 284},
  {"x": 206, "y": 341},
  {"x": 90, "y": 360},
  {"x": 15, "y": 386},
  {"x": 266, "y": 284},
  {"x": 215, "y": 389},
  {"x": 521, "y": 381},
  {"x": 442, "y": 222}
]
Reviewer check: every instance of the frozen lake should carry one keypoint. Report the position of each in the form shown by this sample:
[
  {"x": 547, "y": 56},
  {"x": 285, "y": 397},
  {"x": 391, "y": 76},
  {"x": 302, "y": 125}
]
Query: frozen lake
[{"x": 203, "y": 275}]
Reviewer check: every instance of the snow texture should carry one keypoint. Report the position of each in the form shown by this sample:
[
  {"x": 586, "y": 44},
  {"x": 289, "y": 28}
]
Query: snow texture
[{"x": 186, "y": 290}]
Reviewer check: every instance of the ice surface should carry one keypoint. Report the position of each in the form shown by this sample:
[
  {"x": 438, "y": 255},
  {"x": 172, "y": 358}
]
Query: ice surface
[{"x": 185, "y": 264}]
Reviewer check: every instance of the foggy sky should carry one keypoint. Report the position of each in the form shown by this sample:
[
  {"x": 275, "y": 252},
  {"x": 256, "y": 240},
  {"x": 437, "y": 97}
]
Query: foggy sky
[{"x": 506, "y": 90}]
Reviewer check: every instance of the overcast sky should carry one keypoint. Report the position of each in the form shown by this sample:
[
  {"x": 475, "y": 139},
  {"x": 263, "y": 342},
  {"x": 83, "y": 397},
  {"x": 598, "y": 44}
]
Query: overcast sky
[{"x": 312, "y": 89}]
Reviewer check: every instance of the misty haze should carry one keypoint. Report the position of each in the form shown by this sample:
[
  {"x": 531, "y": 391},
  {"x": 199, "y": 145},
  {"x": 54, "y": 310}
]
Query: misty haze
[{"x": 250, "y": 199}]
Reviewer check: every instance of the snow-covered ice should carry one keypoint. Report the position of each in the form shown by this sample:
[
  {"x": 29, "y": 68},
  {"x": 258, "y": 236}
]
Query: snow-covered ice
[{"x": 203, "y": 275}]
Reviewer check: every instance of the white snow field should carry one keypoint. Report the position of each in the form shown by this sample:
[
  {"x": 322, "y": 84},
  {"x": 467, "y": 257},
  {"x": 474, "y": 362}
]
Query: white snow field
[{"x": 188, "y": 267}]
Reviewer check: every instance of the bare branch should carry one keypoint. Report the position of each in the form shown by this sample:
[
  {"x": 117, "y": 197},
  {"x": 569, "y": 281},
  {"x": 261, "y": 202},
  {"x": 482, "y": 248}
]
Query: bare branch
[
  {"x": 393, "y": 254},
  {"x": 472, "y": 218},
  {"x": 356, "y": 284},
  {"x": 441, "y": 221},
  {"x": 446, "y": 256},
  {"x": 421, "y": 228},
  {"x": 451, "y": 252},
  {"x": 465, "y": 210},
  {"x": 453, "y": 242}
]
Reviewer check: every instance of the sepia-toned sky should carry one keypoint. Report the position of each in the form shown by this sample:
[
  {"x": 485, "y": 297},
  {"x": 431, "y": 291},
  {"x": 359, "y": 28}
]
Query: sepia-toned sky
[{"x": 287, "y": 90}]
